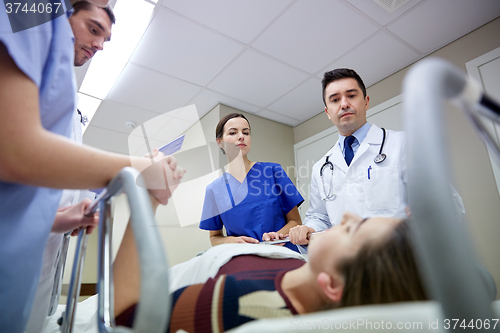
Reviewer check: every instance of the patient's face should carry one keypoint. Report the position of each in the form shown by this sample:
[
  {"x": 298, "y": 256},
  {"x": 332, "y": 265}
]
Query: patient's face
[{"x": 344, "y": 240}]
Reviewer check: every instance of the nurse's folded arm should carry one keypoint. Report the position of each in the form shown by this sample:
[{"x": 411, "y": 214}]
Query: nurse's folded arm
[
  {"x": 217, "y": 238},
  {"x": 32, "y": 155}
]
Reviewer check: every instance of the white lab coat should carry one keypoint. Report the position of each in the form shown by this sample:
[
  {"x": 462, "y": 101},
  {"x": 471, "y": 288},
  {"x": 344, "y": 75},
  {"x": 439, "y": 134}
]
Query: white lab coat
[
  {"x": 365, "y": 188},
  {"x": 381, "y": 191},
  {"x": 53, "y": 249}
]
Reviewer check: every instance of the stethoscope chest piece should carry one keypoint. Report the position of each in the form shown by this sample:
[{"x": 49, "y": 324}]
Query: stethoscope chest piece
[{"x": 380, "y": 158}]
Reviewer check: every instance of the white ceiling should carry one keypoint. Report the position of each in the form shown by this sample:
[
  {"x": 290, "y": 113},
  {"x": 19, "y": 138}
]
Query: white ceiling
[{"x": 268, "y": 57}]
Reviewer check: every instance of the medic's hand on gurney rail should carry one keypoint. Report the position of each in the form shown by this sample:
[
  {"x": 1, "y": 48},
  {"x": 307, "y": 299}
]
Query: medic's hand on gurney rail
[
  {"x": 72, "y": 218},
  {"x": 300, "y": 234},
  {"x": 162, "y": 177}
]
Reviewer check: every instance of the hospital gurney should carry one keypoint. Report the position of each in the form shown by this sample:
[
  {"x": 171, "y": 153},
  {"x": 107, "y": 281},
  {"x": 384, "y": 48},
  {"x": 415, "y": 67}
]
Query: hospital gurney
[
  {"x": 153, "y": 308},
  {"x": 451, "y": 274},
  {"x": 446, "y": 254}
]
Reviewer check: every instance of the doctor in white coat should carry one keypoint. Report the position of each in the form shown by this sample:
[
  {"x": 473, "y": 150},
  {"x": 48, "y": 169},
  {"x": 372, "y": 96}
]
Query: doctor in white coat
[{"x": 365, "y": 172}]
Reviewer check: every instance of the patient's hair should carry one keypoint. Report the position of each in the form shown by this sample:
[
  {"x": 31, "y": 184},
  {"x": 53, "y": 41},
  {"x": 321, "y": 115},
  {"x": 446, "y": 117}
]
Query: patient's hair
[
  {"x": 219, "y": 130},
  {"x": 383, "y": 272},
  {"x": 339, "y": 74},
  {"x": 85, "y": 5}
]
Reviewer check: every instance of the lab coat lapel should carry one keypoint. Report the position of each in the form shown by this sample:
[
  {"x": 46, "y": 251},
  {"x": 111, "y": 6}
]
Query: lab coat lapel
[
  {"x": 337, "y": 158},
  {"x": 374, "y": 136}
]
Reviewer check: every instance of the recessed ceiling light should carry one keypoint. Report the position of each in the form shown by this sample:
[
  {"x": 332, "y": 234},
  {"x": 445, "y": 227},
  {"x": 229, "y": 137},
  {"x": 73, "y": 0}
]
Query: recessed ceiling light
[
  {"x": 132, "y": 19},
  {"x": 390, "y": 5}
]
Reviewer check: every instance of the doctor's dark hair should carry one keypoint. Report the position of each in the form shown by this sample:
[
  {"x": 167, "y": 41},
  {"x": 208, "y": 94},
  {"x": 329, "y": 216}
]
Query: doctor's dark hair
[
  {"x": 383, "y": 272},
  {"x": 85, "y": 5},
  {"x": 338, "y": 74},
  {"x": 219, "y": 130}
]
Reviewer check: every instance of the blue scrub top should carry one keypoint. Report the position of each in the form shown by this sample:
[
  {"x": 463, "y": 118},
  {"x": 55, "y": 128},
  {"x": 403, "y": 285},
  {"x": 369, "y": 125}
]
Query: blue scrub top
[
  {"x": 254, "y": 207},
  {"x": 45, "y": 54}
]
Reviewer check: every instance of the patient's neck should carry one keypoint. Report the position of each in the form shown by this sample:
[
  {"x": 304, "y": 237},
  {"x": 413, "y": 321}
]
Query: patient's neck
[{"x": 303, "y": 291}]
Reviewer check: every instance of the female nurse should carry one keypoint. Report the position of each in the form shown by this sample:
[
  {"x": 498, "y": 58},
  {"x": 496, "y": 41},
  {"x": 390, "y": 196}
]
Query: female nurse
[{"x": 254, "y": 201}]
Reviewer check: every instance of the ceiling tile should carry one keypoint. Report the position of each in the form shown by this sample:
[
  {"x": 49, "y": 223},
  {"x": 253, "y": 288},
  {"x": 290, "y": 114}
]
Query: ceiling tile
[
  {"x": 180, "y": 48},
  {"x": 256, "y": 79},
  {"x": 309, "y": 36},
  {"x": 376, "y": 12},
  {"x": 151, "y": 90},
  {"x": 105, "y": 139},
  {"x": 301, "y": 103},
  {"x": 437, "y": 23},
  {"x": 208, "y": 99},
  {"x": 241, "y": 20},
  {"x": 278, "y": 117},
  {"x": 387, "y": 55},
  {"x": 112, "y": 115}
]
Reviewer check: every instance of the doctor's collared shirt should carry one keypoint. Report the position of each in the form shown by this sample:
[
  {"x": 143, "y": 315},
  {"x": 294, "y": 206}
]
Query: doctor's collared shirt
[{"x": 360, "y": 135}]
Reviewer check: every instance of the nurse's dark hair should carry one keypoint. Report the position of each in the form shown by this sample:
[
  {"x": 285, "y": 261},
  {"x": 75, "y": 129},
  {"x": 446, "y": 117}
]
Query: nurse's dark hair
[
  {"x": 383, "y": 272},
  {"x": 339, "y": 74},
  {"x": 85, "y": 5},
  {"x": 219, "y": 130}
]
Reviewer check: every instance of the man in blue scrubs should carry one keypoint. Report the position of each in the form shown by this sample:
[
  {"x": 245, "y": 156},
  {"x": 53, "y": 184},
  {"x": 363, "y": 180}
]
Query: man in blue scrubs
[
  {"x": 91, "y": 26},
  {"x": 37, "y": 103}
]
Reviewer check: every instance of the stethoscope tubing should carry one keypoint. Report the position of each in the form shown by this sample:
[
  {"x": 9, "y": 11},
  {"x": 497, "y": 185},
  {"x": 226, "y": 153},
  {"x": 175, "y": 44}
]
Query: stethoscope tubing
[{"x": 378, "y": 159}]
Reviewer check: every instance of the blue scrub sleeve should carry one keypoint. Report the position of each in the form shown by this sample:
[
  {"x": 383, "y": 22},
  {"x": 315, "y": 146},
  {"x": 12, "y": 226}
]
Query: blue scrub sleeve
[
  {"x": 210, "y": 217},
  {"x": 29, "y": 48},
  {"x": 288, "y": 195}
]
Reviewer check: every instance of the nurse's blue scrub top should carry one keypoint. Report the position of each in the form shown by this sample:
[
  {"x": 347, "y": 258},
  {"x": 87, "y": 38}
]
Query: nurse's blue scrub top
[{"x": 254, "y": 207}]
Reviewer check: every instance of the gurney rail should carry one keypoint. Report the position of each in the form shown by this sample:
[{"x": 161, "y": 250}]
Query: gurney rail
[
  {"x": 446, "y": 255},
  {"x": 153, "y": 309}
]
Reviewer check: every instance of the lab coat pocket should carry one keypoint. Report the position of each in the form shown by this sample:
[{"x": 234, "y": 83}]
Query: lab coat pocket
[{"x": 382, "y": 189}]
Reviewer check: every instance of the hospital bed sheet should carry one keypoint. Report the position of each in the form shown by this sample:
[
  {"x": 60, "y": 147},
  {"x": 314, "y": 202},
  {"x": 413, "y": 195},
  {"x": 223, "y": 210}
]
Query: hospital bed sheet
[
  {"x": 196, "y": 270},
  {"x": 411, "y": 317},
  {"x": 422, "y": 317}
]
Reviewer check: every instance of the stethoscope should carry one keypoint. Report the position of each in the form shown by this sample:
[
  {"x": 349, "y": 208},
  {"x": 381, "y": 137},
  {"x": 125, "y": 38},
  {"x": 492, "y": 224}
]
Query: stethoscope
[{"x": 378, "y": 159}]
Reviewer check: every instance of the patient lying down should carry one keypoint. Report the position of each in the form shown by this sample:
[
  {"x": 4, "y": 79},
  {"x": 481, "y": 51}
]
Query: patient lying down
[{"x": 361, "y": 261}]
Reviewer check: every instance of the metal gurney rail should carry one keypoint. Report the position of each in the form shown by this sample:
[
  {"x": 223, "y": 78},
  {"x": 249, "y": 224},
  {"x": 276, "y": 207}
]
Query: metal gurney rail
[
  {"x": 153, "y": 310},
  {"x": 446, "y": 253}
]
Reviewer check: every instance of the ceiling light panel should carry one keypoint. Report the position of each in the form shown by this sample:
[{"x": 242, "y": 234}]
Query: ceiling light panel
[{"x": 133, "y": 18}]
